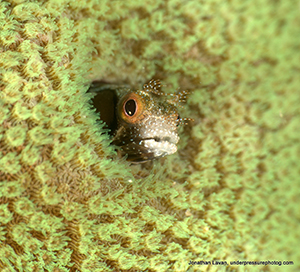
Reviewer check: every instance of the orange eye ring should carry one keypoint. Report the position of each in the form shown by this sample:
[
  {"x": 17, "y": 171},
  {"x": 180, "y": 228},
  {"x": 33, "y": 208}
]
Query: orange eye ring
[{"x": 131, "y": 108}]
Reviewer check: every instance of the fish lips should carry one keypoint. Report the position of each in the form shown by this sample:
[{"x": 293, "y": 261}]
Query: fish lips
[{"x": 141, "y": 150}]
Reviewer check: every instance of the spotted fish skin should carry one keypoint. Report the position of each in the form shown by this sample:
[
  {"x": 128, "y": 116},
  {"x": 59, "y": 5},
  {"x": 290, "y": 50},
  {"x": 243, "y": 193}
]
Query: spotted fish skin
[{"x": 143, "y": 123}]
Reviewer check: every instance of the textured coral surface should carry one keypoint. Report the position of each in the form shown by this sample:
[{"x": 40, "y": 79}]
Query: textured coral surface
[{"x": 231, "y": 192}]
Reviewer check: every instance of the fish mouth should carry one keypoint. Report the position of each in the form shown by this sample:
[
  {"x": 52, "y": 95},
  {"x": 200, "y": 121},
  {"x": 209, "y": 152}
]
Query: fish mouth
[
  {"x": 160, "y": 146},
  {"x": 168, "y": 139},
  {"x": 148, "y": 149}
]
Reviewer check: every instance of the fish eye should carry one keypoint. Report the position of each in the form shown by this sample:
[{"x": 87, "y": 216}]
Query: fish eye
[{"x": 130, "y": 107}]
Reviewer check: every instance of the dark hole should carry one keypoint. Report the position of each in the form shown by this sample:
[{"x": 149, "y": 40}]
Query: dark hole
[
  {"x": 178, "y": 120},
  {"x": 130, "y": 107},
  {"x": 105, "y": 102}
]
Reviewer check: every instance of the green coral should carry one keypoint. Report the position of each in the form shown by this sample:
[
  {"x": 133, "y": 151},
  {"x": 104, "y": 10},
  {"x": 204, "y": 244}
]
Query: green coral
[{"x": 231, "y": 192}]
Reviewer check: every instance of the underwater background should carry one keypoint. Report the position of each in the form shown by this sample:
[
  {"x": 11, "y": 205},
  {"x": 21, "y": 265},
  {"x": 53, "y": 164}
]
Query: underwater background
[{"x": 230, "y": 193}]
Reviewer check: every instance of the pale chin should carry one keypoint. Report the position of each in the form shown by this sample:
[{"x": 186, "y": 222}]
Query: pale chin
[{"x": 159, "y": 149}]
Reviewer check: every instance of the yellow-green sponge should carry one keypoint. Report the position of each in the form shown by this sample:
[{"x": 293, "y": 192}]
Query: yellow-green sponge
[{"x": 230, "y": 193}]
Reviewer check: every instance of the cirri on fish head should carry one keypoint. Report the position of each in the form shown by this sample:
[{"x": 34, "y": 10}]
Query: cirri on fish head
[{"x": 143, "y": 123}]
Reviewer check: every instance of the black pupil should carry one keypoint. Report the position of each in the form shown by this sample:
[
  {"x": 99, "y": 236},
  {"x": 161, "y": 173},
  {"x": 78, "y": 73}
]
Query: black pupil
[{"x": 130, "y": 107}]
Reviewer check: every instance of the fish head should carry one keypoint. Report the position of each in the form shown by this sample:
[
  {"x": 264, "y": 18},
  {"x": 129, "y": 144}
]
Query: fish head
[
  {"x": 143, "y": 123},
  {"x": 148, "y": 126}
]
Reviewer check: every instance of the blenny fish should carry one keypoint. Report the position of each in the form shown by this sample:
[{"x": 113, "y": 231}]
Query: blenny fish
[{"x": 143, "y": 123}]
